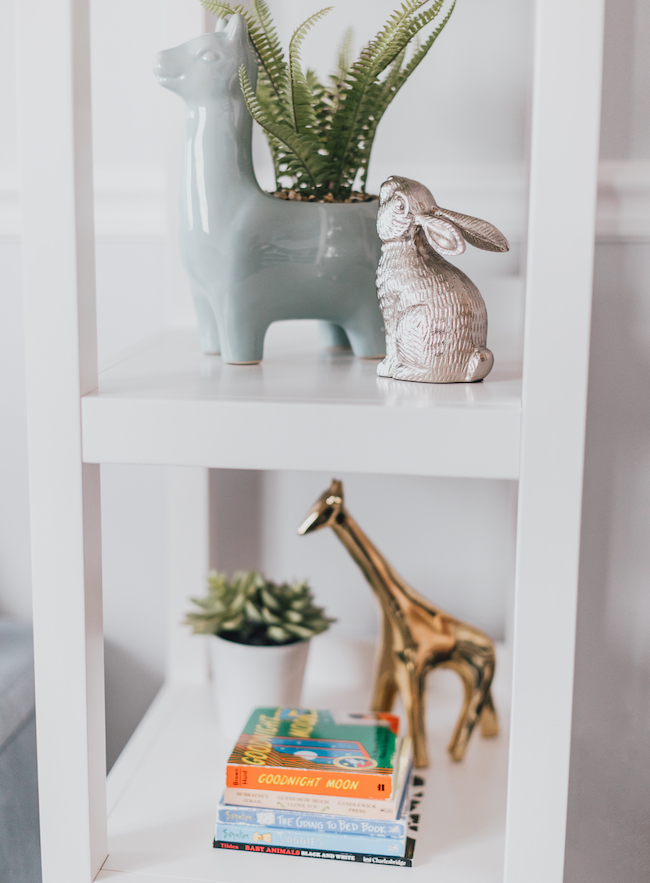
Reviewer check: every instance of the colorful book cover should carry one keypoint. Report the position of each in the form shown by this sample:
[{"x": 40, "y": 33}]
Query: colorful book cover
[
  {"x": 405, "y": 861},
  {"x": 315, "y": 752},
  {"x": 333, "y": 804},
  {"x": 314, "y": 822},
  {"x": 310, "y": 839}
]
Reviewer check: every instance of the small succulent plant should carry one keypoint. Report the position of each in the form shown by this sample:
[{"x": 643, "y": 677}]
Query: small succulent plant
[{"x": 249, "y": 609}]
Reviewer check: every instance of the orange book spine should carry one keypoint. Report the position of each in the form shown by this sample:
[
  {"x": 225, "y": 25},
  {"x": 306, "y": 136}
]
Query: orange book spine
[{"x": 367, "y": 785}]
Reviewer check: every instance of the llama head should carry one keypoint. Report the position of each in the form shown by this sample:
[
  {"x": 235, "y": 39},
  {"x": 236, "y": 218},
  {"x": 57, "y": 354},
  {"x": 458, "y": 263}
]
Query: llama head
[
  {"x": 207, "y": 67},
  {"x": 406, "y": 206},
  {"x": 326, "y": 510}
]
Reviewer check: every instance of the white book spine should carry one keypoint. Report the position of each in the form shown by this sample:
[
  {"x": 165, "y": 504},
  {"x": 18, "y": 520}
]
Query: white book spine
[{"x": 341, "y": 806}]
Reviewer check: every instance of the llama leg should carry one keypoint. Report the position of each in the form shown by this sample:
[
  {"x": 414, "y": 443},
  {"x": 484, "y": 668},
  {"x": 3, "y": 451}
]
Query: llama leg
[
  {"x": 208, "y": 329},
  {"x": 385, "y": 685},
  {"x": 366, "y": 333},
  {"x": 333, "y": 336},
  {"x": 476, "y": 671},
  {"x": 489, "y": 721},
  {"x": 242, "y": 338}
]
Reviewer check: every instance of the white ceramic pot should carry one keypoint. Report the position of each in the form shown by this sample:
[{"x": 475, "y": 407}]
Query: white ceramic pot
[{"x": 245, "y": 677}]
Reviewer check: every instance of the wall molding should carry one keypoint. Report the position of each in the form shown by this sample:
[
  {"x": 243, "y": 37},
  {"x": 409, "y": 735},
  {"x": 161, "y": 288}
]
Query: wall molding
[
  {"x": 131, "y": 202},
  {"x": 623, "y": 201}
]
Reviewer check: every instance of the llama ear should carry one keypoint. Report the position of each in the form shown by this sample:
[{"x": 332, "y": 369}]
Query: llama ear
[
  {"x": 478, "y": 233},
  {"x": 444, "y": 237},
  {"x": 236, "y": 28},
  {"x": 220, "y": 25}
]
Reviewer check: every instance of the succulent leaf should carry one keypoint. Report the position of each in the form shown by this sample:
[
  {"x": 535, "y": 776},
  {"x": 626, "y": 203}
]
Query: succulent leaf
[{"x": 250, "y": 609}]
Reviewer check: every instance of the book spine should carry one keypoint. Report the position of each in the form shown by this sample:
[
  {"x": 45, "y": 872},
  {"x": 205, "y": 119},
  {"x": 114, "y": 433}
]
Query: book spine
[
  {"x": 376, "y": 786},
  {"x": 315, "y": 823},
  {"x": 405, "y": 862},
  {"x": 340, "y": 806},
  {"x": 310, "y": 840}
]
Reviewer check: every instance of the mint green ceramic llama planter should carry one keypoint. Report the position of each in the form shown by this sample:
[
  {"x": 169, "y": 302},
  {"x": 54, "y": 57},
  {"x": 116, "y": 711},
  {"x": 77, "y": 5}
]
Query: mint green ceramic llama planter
[{"x": 253, "y": 259}]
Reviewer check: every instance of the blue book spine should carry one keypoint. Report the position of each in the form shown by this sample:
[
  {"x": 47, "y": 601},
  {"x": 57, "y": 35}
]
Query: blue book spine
[
  {"x": 292, "y": 839},
  {"x": 314, "y": 823}
]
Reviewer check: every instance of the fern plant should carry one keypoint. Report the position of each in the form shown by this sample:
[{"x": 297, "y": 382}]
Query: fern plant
[
  {"x": 249, "y": 609},
  {"x": 321, "y": 134}
]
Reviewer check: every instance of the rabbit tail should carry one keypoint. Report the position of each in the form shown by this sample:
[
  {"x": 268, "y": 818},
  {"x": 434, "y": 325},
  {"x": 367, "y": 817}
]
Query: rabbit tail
[{"x": 479, "y": 365}]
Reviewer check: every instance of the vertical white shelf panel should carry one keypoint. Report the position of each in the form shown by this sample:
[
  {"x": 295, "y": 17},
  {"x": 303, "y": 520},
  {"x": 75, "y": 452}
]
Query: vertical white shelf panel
[
  {"x": 60, "y": 334},
  {"x": 563, "y": 185}
]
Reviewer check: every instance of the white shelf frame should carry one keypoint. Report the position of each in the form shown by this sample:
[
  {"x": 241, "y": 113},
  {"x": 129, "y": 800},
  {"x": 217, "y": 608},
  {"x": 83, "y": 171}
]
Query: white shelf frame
[
  {"x": 168, "y": 403},
  {"x": 58, "y": 284}
]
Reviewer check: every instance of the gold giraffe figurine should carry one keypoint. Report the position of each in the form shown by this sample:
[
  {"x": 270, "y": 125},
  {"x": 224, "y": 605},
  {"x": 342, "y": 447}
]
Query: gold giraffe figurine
[{"x": 416, "y": 637}]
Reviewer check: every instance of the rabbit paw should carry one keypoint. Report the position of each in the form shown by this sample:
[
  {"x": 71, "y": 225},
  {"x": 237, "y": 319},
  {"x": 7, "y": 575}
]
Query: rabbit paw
[
  {"x": 422, "y": 375},
  {"x": 387, "y": 367}
]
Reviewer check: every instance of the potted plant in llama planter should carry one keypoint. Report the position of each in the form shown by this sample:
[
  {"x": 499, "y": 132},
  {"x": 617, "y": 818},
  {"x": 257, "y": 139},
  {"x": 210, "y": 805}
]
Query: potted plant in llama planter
[
  {"x": 311, "y": 253},
  {"x": 260, "y": 641}
]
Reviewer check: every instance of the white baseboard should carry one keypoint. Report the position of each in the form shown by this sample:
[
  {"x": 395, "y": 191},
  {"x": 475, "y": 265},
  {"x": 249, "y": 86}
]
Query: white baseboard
[{"x": 130, "y": 202}]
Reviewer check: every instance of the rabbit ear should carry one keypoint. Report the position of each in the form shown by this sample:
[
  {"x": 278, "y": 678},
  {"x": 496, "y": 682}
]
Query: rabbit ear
[
  {"x": 478, "y": 233},
  {"x": 443, "y": 236}
]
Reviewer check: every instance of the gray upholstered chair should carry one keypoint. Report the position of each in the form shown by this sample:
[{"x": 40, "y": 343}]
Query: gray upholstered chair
[{"x": 19, "y": 837}]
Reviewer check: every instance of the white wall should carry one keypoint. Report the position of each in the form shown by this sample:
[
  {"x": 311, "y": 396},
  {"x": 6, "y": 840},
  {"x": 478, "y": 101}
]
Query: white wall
[{"x": 460, "y": 126}]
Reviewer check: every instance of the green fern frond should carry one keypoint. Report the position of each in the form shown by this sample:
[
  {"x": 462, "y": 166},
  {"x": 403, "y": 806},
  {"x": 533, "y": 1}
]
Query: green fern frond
[
  {"x": 263, "y": 37},
  {"x": 397, "y": 77},
  {"x": 218, "y": 8},
  {"x": 349, "y": 118},
  {"x": 343, "y": 60},
  {"x": 321, "y": 136},
  {"x": 364, "y": 102},
  {"x": 303, "y": 147},
  {"x": 274, "y": 65},
  {"x": 338, "y": 78},
  {"x": 299, "y": 94},
  {"x": 422, "y": 50}
]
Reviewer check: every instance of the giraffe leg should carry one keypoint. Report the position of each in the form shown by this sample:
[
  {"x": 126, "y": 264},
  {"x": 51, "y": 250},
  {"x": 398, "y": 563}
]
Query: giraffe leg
[
  {"x": 385, "y": 685},
  {"x": 489, "y": 721},
  {"x": 476, "y": 671},
  {"x": 384, "y": 692},
  {"x": 411, "y": 689}
]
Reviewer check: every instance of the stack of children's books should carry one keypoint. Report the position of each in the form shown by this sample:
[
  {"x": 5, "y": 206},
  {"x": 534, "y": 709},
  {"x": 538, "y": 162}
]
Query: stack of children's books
[{"x": 321, "y": 784}]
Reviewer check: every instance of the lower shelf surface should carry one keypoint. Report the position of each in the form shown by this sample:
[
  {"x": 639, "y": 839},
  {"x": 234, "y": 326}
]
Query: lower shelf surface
[{"x": 164, "y": 788}]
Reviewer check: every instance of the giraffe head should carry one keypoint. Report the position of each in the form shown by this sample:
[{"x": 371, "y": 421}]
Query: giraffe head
[{"x": 326, "y": 511}]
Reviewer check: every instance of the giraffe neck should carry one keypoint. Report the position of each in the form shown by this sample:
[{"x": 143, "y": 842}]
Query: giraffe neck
[{"x": 392, "y": 592}]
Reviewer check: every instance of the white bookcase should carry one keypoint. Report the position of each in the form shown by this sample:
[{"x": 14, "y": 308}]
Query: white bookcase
[{"x": 500, "y": 816}]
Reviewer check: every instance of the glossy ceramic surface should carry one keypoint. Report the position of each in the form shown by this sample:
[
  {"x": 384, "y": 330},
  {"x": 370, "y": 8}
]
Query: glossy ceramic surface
[{"x": 254, "y": 259}]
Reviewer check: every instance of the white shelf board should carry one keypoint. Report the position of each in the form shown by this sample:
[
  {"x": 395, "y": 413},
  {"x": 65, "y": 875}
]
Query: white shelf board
[
  {"x": 164, "y": 788},
  {"x": 301, "y": 408}
]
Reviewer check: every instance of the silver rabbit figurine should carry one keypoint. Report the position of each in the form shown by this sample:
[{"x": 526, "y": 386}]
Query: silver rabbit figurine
[{"x": 434, "y": 316}]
